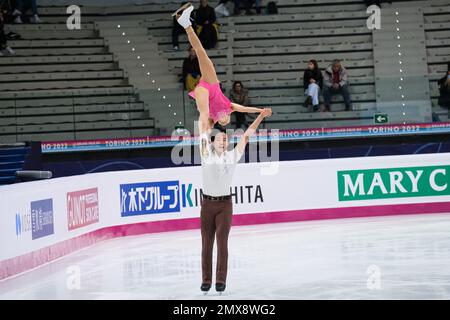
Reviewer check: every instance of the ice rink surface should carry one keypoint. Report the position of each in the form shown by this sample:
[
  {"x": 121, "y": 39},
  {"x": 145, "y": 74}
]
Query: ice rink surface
[{"x": 396, "y": 257}]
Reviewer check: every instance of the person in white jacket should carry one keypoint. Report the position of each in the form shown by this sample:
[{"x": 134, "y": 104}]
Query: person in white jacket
[{"x": 335, "y": 80}]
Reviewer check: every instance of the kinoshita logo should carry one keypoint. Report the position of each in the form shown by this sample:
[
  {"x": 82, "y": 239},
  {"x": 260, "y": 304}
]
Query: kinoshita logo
[
  {"x": 171, "y": 196},
  {"x": 393, "y": 183}
]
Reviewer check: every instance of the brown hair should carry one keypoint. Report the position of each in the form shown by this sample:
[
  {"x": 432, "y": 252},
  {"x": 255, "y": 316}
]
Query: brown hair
[
  {"x": 236, "y": 83},
  {"x": 314, "y": 62}
]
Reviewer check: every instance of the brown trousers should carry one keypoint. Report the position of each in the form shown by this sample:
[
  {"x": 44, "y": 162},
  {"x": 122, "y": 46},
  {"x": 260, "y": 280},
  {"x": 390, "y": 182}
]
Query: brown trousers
[{"x": 215, "y": 221}]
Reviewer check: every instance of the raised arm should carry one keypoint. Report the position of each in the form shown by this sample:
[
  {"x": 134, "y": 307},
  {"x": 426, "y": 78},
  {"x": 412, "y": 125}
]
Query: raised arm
[
  {"x": 238, "y": 108},
  {"x": 267, "y": 112},
  {"x": 204, "y": 123}
]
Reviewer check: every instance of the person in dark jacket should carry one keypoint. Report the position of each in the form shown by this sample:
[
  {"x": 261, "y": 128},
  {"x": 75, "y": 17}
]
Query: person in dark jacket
[
  {"x": 444, "y": 90},
  {"x": 177, "y": 30},
  {"x": 312, "y": 83},
  {"x": 376, "y": 2},
  {"x": 191, "y": 70},
  {"x": 205, "y": 18},
  {"x": 247, "y": 4},
  {"x": 239, "y": 95},
  {"x": 335, "y": 80},
  {"x": 4, "y": 49}
]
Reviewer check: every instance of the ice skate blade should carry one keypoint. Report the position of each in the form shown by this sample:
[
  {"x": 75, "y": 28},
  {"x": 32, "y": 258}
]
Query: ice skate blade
[{"x": 185, "y": 6}]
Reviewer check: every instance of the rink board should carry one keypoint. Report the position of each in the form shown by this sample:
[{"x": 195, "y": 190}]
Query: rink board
[{"x": 41, "y": 221}]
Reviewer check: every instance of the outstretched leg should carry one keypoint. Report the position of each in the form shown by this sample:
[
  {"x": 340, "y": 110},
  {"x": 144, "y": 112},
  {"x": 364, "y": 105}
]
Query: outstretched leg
[
  {"x": 208, "y": 75},
  {"x": 206, "y": 66}
]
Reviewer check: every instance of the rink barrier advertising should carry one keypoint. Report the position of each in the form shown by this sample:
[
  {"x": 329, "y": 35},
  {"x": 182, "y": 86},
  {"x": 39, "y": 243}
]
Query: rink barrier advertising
[
  {"x": 282, "y": 135},
  {"x": 44, "y": 220},
  {"x": 149, "y": 198},
  {"x": 394, "y": 183},
  {"x": 82, "y": 208}
]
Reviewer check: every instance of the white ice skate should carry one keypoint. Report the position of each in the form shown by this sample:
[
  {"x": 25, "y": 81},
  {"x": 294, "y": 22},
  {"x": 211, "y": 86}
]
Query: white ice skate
[{"x": 185, "y": 18}]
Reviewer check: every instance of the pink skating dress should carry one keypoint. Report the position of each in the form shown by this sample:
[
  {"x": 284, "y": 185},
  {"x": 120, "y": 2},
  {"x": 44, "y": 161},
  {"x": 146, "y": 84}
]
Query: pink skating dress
[{"x": 218, "y": 102}]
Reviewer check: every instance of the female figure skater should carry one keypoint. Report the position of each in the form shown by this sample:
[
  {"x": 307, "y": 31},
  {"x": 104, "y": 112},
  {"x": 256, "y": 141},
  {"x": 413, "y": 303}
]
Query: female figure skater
[{"x": 213, "y": 105}]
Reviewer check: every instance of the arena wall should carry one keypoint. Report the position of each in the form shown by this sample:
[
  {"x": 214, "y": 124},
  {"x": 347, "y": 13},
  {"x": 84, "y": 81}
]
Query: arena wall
[{"x": 44, "y": 220}]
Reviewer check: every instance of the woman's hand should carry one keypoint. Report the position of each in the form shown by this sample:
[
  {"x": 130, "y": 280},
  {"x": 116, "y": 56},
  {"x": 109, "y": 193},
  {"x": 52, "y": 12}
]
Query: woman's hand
[{"x": 267, "y": 112}]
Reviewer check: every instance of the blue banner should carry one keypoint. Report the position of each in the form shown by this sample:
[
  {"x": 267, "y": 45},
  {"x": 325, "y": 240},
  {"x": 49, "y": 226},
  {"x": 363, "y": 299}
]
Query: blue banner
[{"x": 149, "y": 198}]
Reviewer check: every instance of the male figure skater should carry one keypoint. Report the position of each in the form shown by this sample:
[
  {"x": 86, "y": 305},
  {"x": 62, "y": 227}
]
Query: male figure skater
[{"x": 218, "y": 167}]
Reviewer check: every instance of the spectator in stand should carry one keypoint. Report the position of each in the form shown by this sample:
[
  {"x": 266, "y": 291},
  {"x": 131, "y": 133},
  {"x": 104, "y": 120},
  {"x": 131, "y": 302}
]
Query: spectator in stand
[
  {"x": 237, "y": 7},
  {"x": 191, "y": 71},
  {"x": 22, "y": 6},
  {"x": 177, "y": 30},
  {"x": 376, "y": 2},
  {"x": 335, "y": 80},
  {"x": 444, "y": 90},
  {"x": 248, "y": 6},
  {"x": 239, "y": 95},
  {"x": 207, "y": 28},
  {"x": 4, "y": 49},
  {"x": 312, "y": 83}
]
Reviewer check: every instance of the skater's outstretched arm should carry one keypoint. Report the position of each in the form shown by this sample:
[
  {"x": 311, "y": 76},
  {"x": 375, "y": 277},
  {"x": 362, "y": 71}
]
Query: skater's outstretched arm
[
  {"x": 238, "y": 108},
  {"x": 252, "y": 129}
]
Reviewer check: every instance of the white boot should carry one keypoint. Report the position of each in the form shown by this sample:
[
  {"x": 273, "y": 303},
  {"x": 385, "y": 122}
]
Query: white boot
[
  {"x": 18, "y": 20},
  {"x": 222, "y": 10},
  {"x": 36, "y": 19},
  {"x": 185, "y": 19},
  {"x": 9, "y": 52}
]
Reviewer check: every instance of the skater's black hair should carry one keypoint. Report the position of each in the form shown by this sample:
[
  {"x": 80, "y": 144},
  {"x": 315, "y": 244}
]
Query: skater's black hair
[{"x": 217, "y": 129}]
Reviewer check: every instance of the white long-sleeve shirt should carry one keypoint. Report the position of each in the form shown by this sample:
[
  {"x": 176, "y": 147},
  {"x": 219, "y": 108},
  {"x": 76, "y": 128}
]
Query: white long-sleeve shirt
[{"x": 218, "y": 171}]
